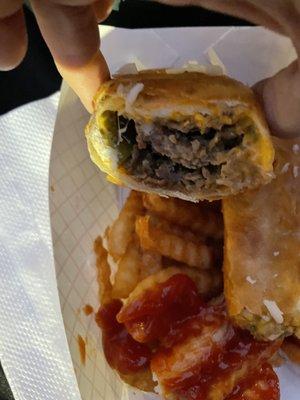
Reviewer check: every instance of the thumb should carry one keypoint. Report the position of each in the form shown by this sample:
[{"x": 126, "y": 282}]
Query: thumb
[{"x": 280, "y": 98}]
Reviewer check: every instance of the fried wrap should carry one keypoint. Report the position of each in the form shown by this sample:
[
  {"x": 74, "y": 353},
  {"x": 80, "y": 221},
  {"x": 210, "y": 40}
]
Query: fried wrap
[
  {"x": 189, "y": 135},
  {"x": 262, "y": 251}
]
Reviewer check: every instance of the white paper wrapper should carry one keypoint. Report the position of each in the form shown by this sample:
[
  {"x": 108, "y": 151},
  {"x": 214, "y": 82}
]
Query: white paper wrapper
[{"x": 33, "y": 345}]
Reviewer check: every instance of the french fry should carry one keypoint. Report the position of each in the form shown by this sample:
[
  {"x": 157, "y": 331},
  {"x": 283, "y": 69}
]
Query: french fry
[
  {"x": 128, "y": 273},
  {"x": 142, "y": 380},
  {"x": 122, "y": 230},
  {"x": 198, "y": 217},
  {"x": 209, "y": 283},
  {"x": 202, "y": 279},
  {"x": 103, "y": 272},
  {"x": 151, "y": 263},
  {"x": 171, "y": 245},
  {"x": 147, "y": 284},
  {"x": 177, "y": 230},
  {"x": 153, "y": 239}
]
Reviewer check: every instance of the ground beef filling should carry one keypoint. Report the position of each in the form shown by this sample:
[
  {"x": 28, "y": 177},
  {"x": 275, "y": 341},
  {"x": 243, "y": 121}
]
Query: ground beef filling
[{"x": 172, "y": 159}]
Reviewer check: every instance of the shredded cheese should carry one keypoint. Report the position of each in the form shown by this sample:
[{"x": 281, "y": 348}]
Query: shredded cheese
[
  {"x": 295, "y": 171},
  {"x": 296, "y": 148},
  {"x": 120, "y": 90},
  {"x": 220, "y": 334},
  {"x": 285, "y": 168},
  {"x": 250, "y": 280},
  {"x": 274, "y": 336},
  {"x": 276, "y": 253},
  {"x": 113, "y": 268},
  {"x": 133, "y": 94},
  {"x": 274, "y": 311},
  {"x": 265, "y": 318},
  {"x": 193, "y": 62}
]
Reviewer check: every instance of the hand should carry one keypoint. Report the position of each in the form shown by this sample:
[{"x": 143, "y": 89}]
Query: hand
[
  {"x": 70, "y": 29},
  {"x": 280, "y": 95}
]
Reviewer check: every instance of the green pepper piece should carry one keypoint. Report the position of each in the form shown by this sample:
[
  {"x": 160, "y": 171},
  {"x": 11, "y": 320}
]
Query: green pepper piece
[
  {"x": 108, "y": 126},
  {"x": 124, "y": 151}
]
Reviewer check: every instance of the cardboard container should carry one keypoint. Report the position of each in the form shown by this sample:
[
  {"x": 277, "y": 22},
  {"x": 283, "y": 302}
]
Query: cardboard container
[{"x": 83, "y": 203}]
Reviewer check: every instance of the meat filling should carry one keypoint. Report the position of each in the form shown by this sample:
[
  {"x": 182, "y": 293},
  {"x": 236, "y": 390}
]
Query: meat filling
[{"x": 166, "y": 156}]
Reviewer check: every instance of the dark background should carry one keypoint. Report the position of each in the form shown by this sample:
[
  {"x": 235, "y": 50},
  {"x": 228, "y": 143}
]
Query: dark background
[{"x": 37, "y": 76}]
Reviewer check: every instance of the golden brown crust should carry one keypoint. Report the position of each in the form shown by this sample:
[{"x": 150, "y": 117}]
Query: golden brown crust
[
  {"x": 163, "y": 90},
  {"x": 262, "y": 250}
]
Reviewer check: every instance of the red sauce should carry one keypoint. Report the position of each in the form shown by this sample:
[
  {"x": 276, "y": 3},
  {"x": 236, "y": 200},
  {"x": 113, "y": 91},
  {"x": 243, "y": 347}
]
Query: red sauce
[
  {"x": 157, "y": 313},
  {"x": 82, "y": 349},
  {"x": 220, "y": 365},
  {"x": 122, "y": 352},
  {"x": 262, "y": 384},
  {"x": 168, "y": 315},
  {"x": 88, "y": 309}
]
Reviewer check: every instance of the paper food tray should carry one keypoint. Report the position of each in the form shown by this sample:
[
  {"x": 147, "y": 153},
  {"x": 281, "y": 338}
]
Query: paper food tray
[{"x": 83, "y": 203}]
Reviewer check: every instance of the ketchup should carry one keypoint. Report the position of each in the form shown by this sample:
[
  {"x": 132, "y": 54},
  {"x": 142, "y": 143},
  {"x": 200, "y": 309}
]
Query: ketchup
[
  {"x": 88, "y": 309},
  {"x": 220, "y": 365},
  {"x": 168, "y": 315},
  {"x": 122, "y": 352},
  {"x": 157, "y": 313},
  {"x": 82, "y": 349},
  {"x": 262, "y": 384}
]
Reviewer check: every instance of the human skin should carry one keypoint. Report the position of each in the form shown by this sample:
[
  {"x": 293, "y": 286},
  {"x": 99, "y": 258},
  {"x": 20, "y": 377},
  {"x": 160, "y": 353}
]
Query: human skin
[{"x": 70, "y": 30}]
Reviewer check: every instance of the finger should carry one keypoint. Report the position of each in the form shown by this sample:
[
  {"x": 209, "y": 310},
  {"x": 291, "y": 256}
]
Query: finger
[
  {"x": 74, "y": 2},
  {"x": 9, "y": 7},
  {"x": 286, "y": 12},
  {"x": 246, "y": 10},
  {"x": 280, "y": 98},
  {"x": 237, "y": 8},
  {"x": 278, "y": 9},
  {"x": 102, "y": 9},
  {"x": 13, "y": 37},
  {"x": 86, "y": 80},
  {"x": 70, "y": 32},
  {"x": 72, "y": 35}
]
